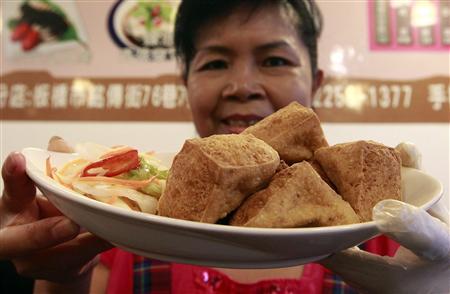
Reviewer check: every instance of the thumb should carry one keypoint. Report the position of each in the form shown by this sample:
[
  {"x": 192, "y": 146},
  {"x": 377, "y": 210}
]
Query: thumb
[
  {"x": 361, "y": 269},
  {"x": 413, "y": 228},
  {"x": 19, "y": 190}
]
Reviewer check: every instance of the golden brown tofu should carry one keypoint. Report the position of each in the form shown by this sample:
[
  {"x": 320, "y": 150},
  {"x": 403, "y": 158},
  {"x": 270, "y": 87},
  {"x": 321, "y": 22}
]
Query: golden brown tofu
[
  {"x": 212, "y": 176},
  {"x": 364, "y": 173},
  {"x": 294, "y": 131},
  {"x": 296, "y": 197}
]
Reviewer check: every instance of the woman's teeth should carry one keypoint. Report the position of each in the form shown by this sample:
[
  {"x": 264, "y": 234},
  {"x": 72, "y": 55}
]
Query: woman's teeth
[{"x": 240, "y": 123}]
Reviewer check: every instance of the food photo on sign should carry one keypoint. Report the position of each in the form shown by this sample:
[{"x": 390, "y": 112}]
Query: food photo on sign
[
  {"x": 143, "y": 29},
  {"x": 232, "y": 147},
  {"x": 36, "y": 28}
]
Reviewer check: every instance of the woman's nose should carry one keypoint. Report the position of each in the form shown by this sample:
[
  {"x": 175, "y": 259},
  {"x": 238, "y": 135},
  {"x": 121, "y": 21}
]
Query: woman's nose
[{"x": 243, "y": 84}]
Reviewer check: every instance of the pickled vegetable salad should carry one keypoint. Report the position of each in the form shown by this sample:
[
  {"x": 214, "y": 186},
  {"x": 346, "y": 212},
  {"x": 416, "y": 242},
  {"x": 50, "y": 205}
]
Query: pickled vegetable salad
[{"x": 119, "y": 176}]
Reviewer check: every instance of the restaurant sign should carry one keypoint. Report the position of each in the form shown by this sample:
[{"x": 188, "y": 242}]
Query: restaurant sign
[{"x": 32, "y": 95}]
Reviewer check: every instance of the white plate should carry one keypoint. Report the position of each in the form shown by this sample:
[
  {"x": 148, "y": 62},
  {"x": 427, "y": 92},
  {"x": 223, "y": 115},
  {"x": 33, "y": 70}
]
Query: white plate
[{"x": 210, "y": 244}]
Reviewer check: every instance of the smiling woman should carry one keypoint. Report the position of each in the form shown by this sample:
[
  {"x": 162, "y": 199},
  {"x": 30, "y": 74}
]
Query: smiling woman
[{"x": 247, "y": 65}]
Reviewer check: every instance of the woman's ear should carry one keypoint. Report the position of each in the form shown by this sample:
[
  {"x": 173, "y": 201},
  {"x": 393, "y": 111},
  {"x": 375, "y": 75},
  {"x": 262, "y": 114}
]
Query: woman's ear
[{"x": 317, "y": 82}]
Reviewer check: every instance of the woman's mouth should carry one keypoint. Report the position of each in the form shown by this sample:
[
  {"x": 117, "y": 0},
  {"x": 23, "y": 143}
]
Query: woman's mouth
[{"x": 235, "y": 124}]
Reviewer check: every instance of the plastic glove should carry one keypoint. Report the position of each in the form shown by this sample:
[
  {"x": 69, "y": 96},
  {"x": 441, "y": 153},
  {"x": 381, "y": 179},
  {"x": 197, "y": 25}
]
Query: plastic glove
[
  {"x": 410, "y": 155},
  {"x": 422, "y": 268},
  {"x": 41, "y": 242}
]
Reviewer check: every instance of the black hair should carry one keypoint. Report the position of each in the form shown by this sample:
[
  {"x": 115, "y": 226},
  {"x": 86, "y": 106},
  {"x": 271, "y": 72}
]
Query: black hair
[{"x": 195, "y": 14}]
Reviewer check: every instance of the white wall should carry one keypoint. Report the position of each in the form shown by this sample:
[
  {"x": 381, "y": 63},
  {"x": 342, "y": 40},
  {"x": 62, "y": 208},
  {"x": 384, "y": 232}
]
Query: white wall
[{"x": 145, "y": 136}]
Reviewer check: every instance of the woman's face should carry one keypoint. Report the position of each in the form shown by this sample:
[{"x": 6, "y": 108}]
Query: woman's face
[{"x": 247, "y": 68}]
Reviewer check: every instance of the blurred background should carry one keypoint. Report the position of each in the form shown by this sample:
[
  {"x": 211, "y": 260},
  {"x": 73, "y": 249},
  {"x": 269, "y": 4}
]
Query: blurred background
[{"x": 104, "y": 71}]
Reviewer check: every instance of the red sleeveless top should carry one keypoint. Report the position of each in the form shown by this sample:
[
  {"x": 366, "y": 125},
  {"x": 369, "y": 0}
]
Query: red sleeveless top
[{"x": 130, "y": 273}]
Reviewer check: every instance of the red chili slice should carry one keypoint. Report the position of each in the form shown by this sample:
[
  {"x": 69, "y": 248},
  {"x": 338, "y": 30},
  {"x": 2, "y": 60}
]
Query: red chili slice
[
  {"x": 31, "y": 39},
  {"x": 114, "y": 165},
  {"x": 20, "y": 31},
  {"x": 156, "y": 11}
]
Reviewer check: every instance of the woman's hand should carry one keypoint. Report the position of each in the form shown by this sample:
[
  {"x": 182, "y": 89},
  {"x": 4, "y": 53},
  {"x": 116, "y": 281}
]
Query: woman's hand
[
  {"x": 36, "y": 237},
  {"x": 421, "y": 264}
]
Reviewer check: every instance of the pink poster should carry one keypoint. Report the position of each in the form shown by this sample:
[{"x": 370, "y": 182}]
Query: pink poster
[{"x": 421, "y": 25}]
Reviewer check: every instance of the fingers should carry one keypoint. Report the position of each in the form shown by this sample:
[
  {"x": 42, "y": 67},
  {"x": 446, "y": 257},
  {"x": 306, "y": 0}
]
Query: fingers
[
  {"x": 64, "y": 261},
  {"x": 28, "y": 238},
  {"x": 410, "y": 154},
  {"x": 413, "y": 228},
  {"x": 19, "y": 190},
  {"x": 46, "y": 209},
  {"x": 359, "y": 268},
  {"x": 354, "y": 259},
  {"x": 89, "y": 244}
]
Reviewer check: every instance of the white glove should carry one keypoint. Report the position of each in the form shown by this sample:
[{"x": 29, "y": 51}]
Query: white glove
[
  {"x": 410, "y": 155},
  {"x": 414, "y": 228},
  {"x": 421, "y": 264},
  {"x": 422, "y": 268}
]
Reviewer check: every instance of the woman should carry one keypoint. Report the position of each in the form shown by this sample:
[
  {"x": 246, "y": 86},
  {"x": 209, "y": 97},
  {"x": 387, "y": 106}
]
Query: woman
[{"x": 242, "y": 60}]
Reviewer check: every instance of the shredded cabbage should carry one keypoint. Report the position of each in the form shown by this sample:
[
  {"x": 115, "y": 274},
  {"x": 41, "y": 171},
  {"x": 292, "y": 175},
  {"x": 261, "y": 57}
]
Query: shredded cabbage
[{"x": 116, "y": 192}]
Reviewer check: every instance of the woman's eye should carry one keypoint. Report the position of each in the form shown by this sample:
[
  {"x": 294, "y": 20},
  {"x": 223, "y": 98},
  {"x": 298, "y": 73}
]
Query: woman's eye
[
  {"x": 214, "y": 65},
  {"x": 275, "y": 61}
]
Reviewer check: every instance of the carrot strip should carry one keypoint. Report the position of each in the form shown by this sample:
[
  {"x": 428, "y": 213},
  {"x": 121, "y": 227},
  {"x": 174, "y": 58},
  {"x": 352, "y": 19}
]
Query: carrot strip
[
  {"x": 57, "y": 177},
  {"x": 133, "y": 205},
  {"x": 52, "y": 173},
  {"x": 48, "y": 168},
  {"x": 111, "y": 200},
  {"x": 109, "y": 180}
]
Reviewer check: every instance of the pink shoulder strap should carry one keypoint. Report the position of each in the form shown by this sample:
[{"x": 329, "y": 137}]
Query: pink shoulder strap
[{"x": 120, "y": 264}]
